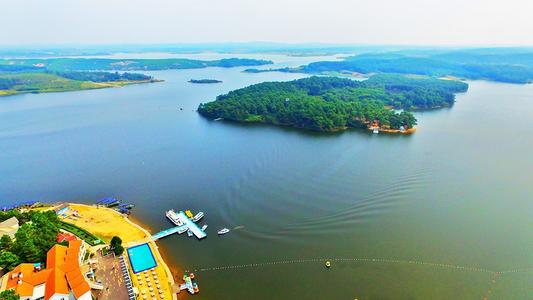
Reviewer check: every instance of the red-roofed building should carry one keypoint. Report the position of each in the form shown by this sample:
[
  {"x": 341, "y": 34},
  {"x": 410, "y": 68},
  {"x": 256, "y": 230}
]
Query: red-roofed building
[
  {"x": 65, "y": 237},
  {"x": 62, "y": 278}
]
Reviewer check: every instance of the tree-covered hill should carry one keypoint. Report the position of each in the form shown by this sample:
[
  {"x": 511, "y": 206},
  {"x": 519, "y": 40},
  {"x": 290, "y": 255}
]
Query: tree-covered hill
[
  {"x": 332, "y": 103},
  {"x": 506, "y": 67},
  {"x": 108, "y": 64}
]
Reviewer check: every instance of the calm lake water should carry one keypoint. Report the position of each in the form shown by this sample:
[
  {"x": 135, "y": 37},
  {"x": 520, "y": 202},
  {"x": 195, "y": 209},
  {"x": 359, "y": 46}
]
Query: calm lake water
[{"x": 456, "y": 194}]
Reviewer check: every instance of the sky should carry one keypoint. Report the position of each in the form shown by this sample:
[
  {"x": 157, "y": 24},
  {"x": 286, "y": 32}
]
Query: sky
[{"x": 384, "y": 22}]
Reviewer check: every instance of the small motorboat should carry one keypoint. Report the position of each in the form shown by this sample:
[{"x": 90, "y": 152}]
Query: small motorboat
[
  {"x": 223, "y": 231},
  {"x": 204, "y": 227},
  {"x": 375, "y": 130},
  {"x": 328, "y": 264},
  {"x": 189, "y": 232},
  {"x": 198, "y": 216}
]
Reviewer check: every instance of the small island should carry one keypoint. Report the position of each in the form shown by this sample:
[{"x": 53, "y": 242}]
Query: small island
[
  {"x": 204, "y": 81},
  {"x": 330, "y": 104}
]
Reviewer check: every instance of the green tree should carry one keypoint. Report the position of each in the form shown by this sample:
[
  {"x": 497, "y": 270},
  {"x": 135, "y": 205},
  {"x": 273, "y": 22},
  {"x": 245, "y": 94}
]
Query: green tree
[
  {"x": 116, "y": 245},
  {"x": 35, "y": 238},
  {"x": 118, "y": 250},
  {"x": 5, "y": 243},
  {"x": 9, "y": 295},
  {"x": 115, "y": 241},
  {"x": 8, "y": 260}
]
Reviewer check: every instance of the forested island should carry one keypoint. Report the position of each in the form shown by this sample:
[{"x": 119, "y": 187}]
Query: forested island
[
  {"x": 332, "y": 104},
  {"x": 47, "y": 81},
  {"x": 108, "y": 64},
  {"x": 204, "y": 81}
]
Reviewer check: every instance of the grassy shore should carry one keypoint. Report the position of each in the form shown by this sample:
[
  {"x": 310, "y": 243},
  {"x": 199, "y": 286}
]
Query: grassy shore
[
  {"x": 50, "y": 83},
  {"x": 106, "y": 223}
]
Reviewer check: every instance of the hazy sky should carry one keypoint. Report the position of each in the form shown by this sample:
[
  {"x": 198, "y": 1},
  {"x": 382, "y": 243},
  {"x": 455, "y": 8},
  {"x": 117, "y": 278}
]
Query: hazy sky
[{"x": 414, "y": 22}]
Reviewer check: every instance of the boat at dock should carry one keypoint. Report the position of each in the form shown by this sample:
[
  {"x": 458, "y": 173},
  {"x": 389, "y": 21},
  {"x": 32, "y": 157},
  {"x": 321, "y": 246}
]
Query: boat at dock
[
  {"x": 189, "y": 233},
  {"x": 198, "y": 216},
  {"x": 173, "y": 217},
  {"x": 223, "y": 231},
  {"x": 126, "y": 205},
  {"x": 183, "y": 223},
  {"x": 109, "y": 202},
  {"x": 204, "y": 227}
]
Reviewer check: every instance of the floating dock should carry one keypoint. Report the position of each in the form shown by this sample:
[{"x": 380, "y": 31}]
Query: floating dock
[
  {"x": 183, "y": 224},
  {"x": 197, "y": 231},
  {"x": 168, "y": 232}
]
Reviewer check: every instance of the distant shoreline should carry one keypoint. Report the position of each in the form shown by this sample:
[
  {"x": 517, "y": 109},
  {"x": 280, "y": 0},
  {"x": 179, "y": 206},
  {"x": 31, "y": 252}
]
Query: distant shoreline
[{"x": 85, "y": 86}]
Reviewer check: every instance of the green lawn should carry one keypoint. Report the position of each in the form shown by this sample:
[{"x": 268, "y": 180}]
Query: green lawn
[{"x": 88, "y": 237}]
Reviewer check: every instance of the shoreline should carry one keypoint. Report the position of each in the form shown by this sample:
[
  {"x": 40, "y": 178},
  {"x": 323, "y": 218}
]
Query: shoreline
[
  {"x": 394, "y": 131},
  {"x": 157, "y": 253},
  {"x": 135, "y": 222},
  {"x": 94, "y": 86}
]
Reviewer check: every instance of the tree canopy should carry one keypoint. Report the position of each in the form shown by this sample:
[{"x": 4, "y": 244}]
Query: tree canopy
[
  {"x": 332, "y": 103},
  {"x": 9, "y": 295},
  {"x": 512, "y": 68},
  {"x": 32, "y": 241}
]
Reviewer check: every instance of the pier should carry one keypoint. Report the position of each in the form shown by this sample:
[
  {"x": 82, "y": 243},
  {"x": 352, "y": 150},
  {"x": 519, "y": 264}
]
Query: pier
[
  {"x": 197, "y": 231},
  {"x": 187, "y": 224},
  {"x": 167, "y": 232}
]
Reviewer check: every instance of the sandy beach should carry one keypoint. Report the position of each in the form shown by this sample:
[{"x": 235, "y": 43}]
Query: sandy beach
[{"x": 106, "y": 223}]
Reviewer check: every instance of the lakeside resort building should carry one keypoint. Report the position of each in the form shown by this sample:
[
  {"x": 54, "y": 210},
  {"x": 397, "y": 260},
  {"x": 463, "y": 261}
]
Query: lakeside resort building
[{"x": 61, "y": 280}]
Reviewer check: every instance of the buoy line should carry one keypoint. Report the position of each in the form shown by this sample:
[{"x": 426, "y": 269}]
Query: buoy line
[{"x": 362, "y": 259}]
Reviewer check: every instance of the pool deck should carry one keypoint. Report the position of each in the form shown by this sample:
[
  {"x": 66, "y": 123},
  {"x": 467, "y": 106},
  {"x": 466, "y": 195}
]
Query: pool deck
[{"x": 136, "y": 267}]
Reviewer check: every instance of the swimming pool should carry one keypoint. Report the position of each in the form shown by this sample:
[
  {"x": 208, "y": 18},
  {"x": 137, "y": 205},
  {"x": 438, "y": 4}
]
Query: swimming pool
[{"x": 141, "y": 258}]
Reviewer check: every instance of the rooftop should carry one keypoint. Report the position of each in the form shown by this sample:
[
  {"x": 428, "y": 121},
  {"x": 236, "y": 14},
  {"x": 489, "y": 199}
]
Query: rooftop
[{"x": 61, "y": 276}]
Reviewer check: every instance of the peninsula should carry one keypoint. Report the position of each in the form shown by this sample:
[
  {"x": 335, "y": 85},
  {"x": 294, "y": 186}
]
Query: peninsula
[
  {"x": 19, "y": 76},
  {"x": 331, "y": 104},
  {"x": 47, "y": 82}
]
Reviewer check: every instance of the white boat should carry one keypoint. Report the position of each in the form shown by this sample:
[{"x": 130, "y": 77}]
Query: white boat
[
  {"x": 189, "y": 232},
  {"x": 375, "y": 130},
  {"x": 173, "y": 217},
  {"x": 204, "y": 227},
  {"x": 198, "y": 216},
  {"x": 182, "y": 230},
  {"x": 223, "y": 231}
]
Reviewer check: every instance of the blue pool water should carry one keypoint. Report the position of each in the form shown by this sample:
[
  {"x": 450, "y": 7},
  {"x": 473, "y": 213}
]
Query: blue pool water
[{"x": 141, "y": 258}]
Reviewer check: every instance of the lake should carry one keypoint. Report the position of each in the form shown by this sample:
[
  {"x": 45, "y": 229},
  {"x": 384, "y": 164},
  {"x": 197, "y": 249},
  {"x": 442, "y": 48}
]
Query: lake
[{"x": 445, "y": 213}]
